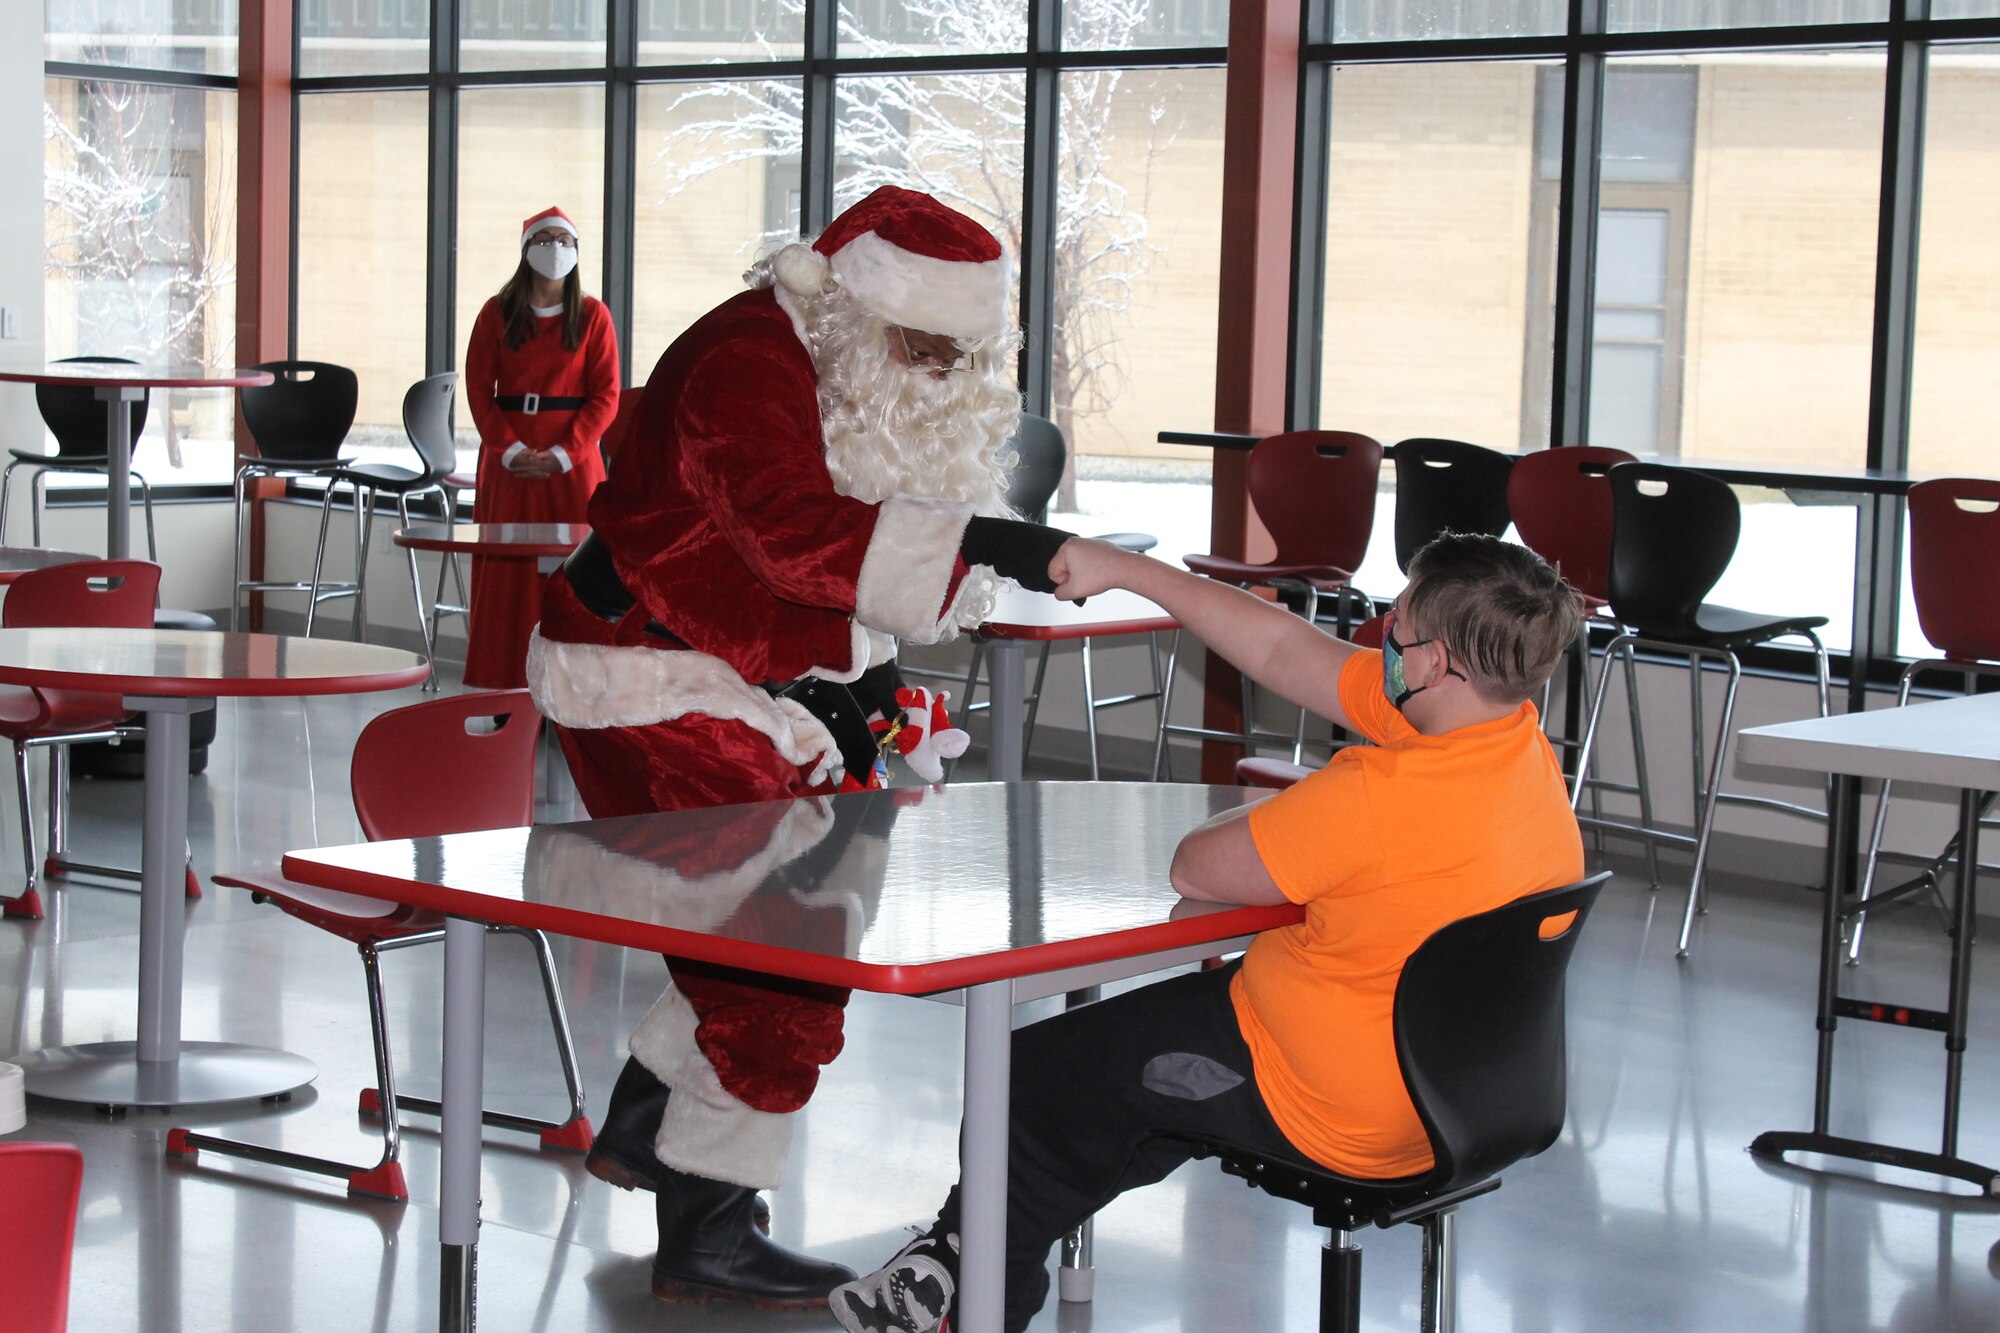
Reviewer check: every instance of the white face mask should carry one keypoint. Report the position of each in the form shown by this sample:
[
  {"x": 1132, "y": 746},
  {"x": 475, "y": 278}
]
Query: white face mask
[{"x": 550, "y": 260}]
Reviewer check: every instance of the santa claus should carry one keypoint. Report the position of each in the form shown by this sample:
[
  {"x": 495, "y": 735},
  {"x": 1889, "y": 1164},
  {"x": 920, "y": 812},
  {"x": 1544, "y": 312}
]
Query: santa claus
[{"x": 816, "y": 473}]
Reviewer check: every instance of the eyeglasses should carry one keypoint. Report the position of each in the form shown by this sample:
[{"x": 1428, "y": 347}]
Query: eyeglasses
[
  {"x": 562, "y": 238},
  {"x": 932, "y": 359}
]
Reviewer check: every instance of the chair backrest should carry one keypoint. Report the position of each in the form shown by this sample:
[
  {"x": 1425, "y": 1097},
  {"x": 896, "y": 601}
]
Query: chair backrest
[
  {"x": 629, "y": 402},
  {"x": 1560, "y": 500},
  {"x": 1315, "y": 492},
  {"x": 39, "y": 1184},
  {"x": 1040, "y": 454},
  {"x": 1480, "y": 1031},
  {"x": 1955, "y": 565},
  {"x": 98, "y": 594},
  {"x": 427, "y": 421},
  {"x": 75, "y": 415},
  {"x": 442, "y": 766},
  {"x": 1447, "y": 486},
  {"x": 1672, "y": 534},
  {"x": 304, "y": 413}
]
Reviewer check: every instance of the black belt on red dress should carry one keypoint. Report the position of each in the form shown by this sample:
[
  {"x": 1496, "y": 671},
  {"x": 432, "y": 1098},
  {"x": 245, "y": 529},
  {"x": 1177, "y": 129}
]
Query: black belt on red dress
[{"x": 534, "y": 403}]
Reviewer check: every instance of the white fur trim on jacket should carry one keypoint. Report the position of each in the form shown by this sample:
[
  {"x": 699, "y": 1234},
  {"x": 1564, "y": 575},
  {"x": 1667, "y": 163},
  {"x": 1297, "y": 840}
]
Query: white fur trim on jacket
[
  {"x": 957, "y": 298},
  {"x": 907, "y": 570},
  {"x": 706, "y": 1132},
  {"x": 588, "y": 686}
]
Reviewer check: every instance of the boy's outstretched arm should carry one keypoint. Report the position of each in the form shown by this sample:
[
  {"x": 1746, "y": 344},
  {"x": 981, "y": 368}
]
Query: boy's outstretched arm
[{"x": 1280, "y": 651}]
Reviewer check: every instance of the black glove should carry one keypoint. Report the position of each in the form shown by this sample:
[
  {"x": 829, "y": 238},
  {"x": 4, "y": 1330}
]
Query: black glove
[
  {"x": 1013, "y": 549},
  {"x": 875, "y": 689}
]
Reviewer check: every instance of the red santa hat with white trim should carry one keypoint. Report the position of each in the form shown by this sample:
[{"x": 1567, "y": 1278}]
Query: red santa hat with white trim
[
  {"x": 547, "y": 219},
  {"x": 910, "y": 259}
]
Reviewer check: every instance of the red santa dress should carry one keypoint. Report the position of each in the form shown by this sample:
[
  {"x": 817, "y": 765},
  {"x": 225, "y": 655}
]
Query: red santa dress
[
  {"x": 506, "y": 593},
  {"x": 748, "y": 570}
]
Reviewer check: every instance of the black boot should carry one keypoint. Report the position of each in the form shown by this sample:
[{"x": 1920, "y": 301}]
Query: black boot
[
  {"x": 622, "y": 1152},
  {"x": 710, "y": 1249}
]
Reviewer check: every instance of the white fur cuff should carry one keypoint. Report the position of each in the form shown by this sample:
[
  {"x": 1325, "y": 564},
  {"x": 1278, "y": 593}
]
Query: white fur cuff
[
  {"x": 907, "y": 570},
  {"x": 706, "y": 1132},
  {"x": 587, "y": 686}
]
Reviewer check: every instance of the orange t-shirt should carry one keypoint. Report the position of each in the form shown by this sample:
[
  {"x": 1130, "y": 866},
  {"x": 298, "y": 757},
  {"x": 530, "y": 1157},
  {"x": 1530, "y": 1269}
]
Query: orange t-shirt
[{"x": 1382, "y": 847}]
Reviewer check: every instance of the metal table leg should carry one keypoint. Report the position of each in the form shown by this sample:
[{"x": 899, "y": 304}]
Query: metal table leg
[
  {"x": 989, "y": 1055},
  {"x": 159, "y": 1069},
  {"x": 118, "y": 444},
  {"x": 459, "y": 1117},
  {"x": 1006, "y": 687}
]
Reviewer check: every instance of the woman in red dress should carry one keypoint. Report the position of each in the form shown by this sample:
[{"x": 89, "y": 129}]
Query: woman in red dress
[{"x": 541, "y": 378}]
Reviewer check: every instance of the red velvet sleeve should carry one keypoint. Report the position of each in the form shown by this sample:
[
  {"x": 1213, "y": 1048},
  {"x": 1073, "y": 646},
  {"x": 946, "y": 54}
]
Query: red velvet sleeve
[
  {"x": 600, "y": 382},
  {"x": 482, "y": 375},
  {"x": 748, "y": 425}
]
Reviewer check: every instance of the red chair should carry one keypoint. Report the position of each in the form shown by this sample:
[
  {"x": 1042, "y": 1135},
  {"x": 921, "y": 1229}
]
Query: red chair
[
  {"x": 492, "y": 785},
  {"x": 39, "y": 1186},
  {"x": 98, "y": 594},
  {"x": 1315, "y": 492},
  {"x": 1955, "y": 579}
]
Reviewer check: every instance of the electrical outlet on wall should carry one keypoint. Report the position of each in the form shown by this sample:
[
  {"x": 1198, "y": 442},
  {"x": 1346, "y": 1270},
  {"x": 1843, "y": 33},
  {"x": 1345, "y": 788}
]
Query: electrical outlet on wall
[{"x": 10, "y": 321}]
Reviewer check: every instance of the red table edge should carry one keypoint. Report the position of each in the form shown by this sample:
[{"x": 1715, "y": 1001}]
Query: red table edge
[
  {"x": 136, "y": 378},
  {"x": 1105, "y": 629},
  {"x": 410, "y": 539},
  {"x": 211, "y": 687},
  {"x": 797, "y": 964}
]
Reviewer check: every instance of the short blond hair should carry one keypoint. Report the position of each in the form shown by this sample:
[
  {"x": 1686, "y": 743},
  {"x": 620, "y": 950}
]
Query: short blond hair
[{"x": 1504, "y": 613}]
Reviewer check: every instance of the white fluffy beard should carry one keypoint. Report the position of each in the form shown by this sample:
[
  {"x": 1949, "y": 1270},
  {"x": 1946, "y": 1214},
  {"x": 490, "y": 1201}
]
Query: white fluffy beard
[{"x": 890, "y": 430}]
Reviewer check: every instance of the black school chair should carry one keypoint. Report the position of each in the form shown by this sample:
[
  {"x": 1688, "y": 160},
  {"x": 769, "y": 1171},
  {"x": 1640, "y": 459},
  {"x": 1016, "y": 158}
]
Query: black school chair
[
  {"x": 1673, "y": 532},
  {"x": 299, "y": 421},
  {"x": 76, "y": 417},
  {"x": 1479, "y": 1036}
]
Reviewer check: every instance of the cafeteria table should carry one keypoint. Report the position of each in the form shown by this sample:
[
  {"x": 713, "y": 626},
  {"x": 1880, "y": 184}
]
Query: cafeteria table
[
  {"x": 1953, "y": 743},
  {"x": 169, "y": 675},
  {"x": 18, "y": 560},
  {"x": 1058, "y": 886},
  {"x": 118, "y": 385},
  {"x": 501, "y": 541}
]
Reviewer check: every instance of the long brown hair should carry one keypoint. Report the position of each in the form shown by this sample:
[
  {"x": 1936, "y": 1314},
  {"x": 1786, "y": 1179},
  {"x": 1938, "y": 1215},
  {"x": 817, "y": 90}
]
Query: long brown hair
[{"x": 517, "y": 306}]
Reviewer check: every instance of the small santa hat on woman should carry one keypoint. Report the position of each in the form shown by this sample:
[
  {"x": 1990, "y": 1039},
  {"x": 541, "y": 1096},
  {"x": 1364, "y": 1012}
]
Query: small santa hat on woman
[
  {"x": 911, "y": 260},
  {"x": 546, "y": 220}
]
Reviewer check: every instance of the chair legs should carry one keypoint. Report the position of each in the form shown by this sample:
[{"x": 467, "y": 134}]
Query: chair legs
[
  {"x": 1340, "y": 1278},
  {"x": 1707, "y": 776},
  {"x": 53, "y": 862},
  {"x": 38, "y": 491},
  {"x": 381, "y": 1102}
]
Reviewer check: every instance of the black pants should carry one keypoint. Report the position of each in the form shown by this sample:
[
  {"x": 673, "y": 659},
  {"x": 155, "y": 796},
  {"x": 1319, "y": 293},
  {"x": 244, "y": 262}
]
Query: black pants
[{"x": 1094, "y": 1089}]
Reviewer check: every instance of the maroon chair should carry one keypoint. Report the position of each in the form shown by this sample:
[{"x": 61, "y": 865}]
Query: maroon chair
[
  {"x": 89, "y": 594},
  {"x": 39, "y": 1187},
  {"x": 1561, "y": 503},
  {"x": 468, "y": 780},
  {"x": 1315, "y": 491},
  {"x": 1955, "y": 579}
]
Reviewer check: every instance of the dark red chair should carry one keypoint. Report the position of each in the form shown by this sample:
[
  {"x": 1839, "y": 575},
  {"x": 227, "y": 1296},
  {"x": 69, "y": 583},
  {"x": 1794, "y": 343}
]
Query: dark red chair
[
  {"x": 39, "y": 1187},
  {"x": 1561, "y": 503},
  {"x": 472, "y": 779},
  {"x": 1314, "y": 490},
  {"x": 1955, "y": 579},
  {"x": 89, "y": 594}
]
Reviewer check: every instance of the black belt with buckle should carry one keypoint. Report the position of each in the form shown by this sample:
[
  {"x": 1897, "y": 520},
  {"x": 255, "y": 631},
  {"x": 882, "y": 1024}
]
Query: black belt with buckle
[
  {"x": 594, "y": 579},
  {"x": 535, "y": 403}
]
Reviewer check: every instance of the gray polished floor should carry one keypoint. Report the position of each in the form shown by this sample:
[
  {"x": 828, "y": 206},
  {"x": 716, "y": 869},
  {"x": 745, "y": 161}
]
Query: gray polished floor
[{"x": 1648, "y": 1214}]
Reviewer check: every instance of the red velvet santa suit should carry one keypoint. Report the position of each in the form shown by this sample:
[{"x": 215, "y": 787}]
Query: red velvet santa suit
[
  {"x": 725, "y": 526},
  {"x": 506, "y": 594}
]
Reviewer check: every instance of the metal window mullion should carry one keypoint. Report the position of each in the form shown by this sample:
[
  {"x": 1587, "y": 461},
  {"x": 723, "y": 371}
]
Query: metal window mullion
[
  {"x": 1040, "y": 148},
  {"x": 441, "y": 228},
  {"x": 621, "y": 170},
  {"x": 1311, "y": 202},
  {"x": 1576, "y": 227},
  {"x": 816, "y": 147},
  {"x": 1878, "y": 582}
]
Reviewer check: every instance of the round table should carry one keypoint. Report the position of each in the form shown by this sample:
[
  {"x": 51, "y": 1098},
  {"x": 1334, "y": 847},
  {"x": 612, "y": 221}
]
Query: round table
[
  {"x": 506, "y": 541},
  {"x": 118, "y": 384},
  {"x": 168, "y": 675},
  {"x": 18, "y": 560}
]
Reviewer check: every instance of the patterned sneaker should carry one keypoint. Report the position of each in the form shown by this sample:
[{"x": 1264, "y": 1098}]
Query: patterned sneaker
[{"x": 911, "y": 1294}]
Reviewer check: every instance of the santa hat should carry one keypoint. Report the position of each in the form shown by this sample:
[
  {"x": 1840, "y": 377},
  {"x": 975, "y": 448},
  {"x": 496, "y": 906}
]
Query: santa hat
[
  {"x": 911, "y": 260},
  {"x": 548, "y": 218}
]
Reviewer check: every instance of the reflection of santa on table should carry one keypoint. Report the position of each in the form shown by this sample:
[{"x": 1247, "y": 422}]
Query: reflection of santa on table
[{"x": 815, "y": 473}]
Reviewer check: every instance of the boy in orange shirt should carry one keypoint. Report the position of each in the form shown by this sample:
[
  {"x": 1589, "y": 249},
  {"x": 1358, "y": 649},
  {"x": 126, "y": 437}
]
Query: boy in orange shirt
[{"x": 1458, "y": 807}]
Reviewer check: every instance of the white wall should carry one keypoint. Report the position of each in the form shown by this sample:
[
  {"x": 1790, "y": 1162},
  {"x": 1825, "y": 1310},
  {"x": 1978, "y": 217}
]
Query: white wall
[{"x": 21, "y": 211}]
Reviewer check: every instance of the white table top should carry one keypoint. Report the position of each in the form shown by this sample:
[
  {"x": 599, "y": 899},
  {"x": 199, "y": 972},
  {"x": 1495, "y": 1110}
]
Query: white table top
[
  {"x": 1953, "y": 743},
  {"x": 1032, "y": 615}
]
